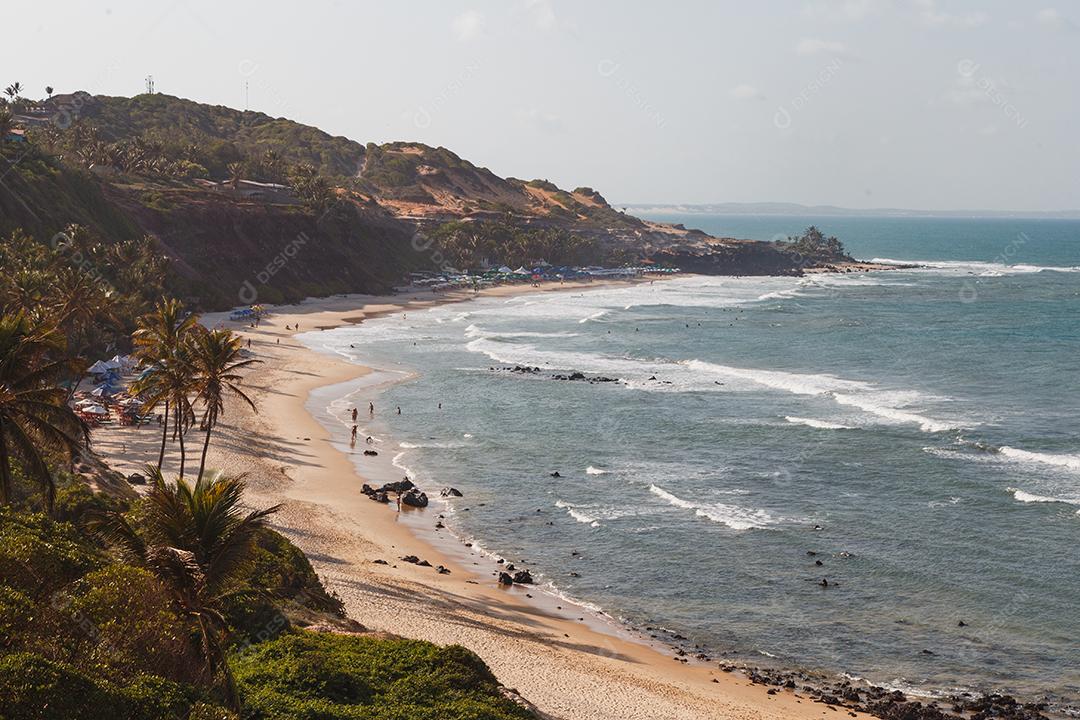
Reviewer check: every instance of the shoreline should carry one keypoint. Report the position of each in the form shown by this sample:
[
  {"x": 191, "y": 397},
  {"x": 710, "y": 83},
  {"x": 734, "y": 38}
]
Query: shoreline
[
  {"x": 563, "y": 666},
  {"x": 586, "y": 667}
]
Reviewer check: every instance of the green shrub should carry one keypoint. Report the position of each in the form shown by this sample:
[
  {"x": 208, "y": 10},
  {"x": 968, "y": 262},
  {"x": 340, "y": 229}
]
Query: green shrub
[
  {"x": 38, "y": 555},
  {"x": 75, "y": 502},
  {"x": 17, "y": 613},
  {"x": 34, "y": 688},
  {"x": 283, "y": 571},
  {"x": 326, "y": 677},
  {"x": 202, "y": 711},
  {"x": 154, "y": 698},
  {"x": 124, "y": 624}
]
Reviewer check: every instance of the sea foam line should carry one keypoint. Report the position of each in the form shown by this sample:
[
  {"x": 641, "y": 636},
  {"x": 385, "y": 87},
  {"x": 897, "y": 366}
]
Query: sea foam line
[
  {"x": 819, "y": 424},
  {"x": 733, "y": 516},
  {"x": 700, "y": 376},
  {"x": 1026, "y": 497}
]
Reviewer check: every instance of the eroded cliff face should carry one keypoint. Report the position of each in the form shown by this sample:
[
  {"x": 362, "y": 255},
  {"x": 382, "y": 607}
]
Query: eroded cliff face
[{"x": 228, "y": 252}]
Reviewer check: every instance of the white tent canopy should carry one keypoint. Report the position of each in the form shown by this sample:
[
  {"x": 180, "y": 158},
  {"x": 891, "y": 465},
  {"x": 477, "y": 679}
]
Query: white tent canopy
[
  {"x": 103, "y": 366},
  {"x": 125, "y": 362}
]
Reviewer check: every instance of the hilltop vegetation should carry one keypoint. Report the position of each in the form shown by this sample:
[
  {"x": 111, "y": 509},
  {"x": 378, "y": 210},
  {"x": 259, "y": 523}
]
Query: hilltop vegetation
[
  {"x": 249, "y": 208},
  {"x": 209, "y": 136}
]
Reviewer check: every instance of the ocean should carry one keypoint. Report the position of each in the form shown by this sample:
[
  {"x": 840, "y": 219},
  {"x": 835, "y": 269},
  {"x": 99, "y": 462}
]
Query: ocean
[{"x": 910, "y": 436}]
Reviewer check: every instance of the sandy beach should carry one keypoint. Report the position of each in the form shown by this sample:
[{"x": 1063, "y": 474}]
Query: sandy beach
[{"x": 570, "y": 669}]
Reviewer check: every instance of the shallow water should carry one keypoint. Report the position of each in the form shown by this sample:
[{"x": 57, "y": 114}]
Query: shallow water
[{"x": 919, "y": 431}]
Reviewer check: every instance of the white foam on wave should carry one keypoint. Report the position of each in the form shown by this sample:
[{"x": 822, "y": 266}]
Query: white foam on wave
[
  {"x": 819, "y": 424},
  {"x": 779, "y": 294},
  {"x": 448, "y": 445},
  {"x": 595, "y": 471},
  {"x": 595, "y": 316},
  {"x": 733, "y": 516},
  {"x": 1064, "y": 461},
  {"x": 576, "y": 513},
  {"x": 700, "y": 376},
  {"x": 1026, "y": 497},
  {"x": 887, "y": 405},
  {"x": 875, "y": 404},
  {"x": 475, "y": 331},
  {"x": 977, "y": 267}
]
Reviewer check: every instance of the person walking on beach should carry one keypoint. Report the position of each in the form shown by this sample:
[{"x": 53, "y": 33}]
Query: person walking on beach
[
  {"x": 371, "y": 408},
  {"x": 354, "y": 414},
  {"x": 352, "y": 442}
]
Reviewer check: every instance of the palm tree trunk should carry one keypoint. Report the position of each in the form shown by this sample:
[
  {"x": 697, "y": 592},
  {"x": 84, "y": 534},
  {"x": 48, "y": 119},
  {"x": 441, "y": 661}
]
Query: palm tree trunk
[
  {"x": 5, "y": 469},
  {"x": 164, "y": 437},
  {"x": 205, "y": 447},
  {"x": 180, "y": 435}
]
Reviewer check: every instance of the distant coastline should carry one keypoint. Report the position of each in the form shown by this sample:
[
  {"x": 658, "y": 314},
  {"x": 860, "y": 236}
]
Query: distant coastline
[{"x": 795, "y": 209}]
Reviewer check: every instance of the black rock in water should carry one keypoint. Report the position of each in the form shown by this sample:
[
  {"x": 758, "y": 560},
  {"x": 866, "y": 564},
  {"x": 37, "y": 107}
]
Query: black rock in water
[{"x": 414, "y": 498}]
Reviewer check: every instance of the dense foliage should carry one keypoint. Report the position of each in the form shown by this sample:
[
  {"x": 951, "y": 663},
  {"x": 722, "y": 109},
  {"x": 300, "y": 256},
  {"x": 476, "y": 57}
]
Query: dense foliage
[
  {"x": 307, "y": 675},
  {"x": 186, "y": 139},
  {"x": 813, "y": 247},
  {"x": 475, "y": 244}
]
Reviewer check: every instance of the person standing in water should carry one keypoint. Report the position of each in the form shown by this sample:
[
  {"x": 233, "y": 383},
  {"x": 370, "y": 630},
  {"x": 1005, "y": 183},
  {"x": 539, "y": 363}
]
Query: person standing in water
[
  {"x": 398, "y": 409},
  {"x": 352, "y": 441},
  {"x": 371, "y": 408},
  {"x": 354, "y": 414}
]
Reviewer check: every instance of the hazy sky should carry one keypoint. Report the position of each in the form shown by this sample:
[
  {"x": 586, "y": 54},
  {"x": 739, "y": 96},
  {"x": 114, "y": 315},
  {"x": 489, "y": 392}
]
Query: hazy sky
[{"x": 861, "y": 103}]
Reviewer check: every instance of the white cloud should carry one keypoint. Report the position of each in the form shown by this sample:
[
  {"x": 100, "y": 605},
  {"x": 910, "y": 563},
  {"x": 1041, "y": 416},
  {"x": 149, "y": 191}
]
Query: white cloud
[
  {"x": 931, "y": 16},
  {"x": 1050, "y": 17},
  {"x": 850, "y": 10},
  {"x": 468, "y": 25},
  {"x": 816, "y": 46},
  {"x": 745, "y": 92},
  {"x": 540, "y": 121},
  {"x": 543, "y": 14}
]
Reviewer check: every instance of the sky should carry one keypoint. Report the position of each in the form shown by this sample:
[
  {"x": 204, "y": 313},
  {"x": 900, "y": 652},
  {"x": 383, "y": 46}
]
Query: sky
[{"x": 925, "y": 104}]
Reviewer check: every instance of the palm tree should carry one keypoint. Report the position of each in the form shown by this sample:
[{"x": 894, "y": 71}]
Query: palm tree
[
  {"x": 5, "y": 123},
  {"x": 83, "y": 306},
  {"x": 48, "y": 90},
  {"x": 159, "y": 342},
  {"x": 35, "y": 419},
  {"x": 196, "y": 540},
  {"x": 169, "y": 381},
  {"x": 13, "y": 91},
  {"x": 216, "y": 356},
  {"x": 236, "y": 173}
]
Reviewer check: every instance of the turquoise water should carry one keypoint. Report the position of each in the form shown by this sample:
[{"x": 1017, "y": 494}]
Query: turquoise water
[{"x": 919, "y": 431}]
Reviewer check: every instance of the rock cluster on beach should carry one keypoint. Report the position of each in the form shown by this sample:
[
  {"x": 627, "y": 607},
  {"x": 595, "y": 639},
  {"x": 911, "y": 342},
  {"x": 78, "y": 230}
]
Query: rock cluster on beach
[
  {"x": 891, "y": 704},
  {"x": 571, "y": 377},
  {"x": 409, "y": 493}
]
